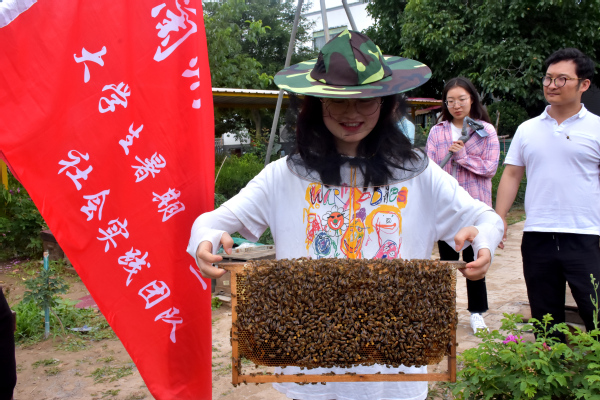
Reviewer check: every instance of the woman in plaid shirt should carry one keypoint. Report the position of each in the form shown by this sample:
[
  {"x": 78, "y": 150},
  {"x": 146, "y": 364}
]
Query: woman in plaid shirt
[{"x": 473, "y": 164}]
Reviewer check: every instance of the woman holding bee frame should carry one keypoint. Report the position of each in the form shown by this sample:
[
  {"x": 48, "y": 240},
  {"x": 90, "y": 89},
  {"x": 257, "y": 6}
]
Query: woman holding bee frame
[{"x": 354, "y": 187}]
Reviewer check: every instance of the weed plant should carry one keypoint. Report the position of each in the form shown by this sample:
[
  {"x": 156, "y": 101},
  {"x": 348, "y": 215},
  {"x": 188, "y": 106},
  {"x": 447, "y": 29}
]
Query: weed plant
[
  {"x": 44, "y": 288},
  {"x": 216, "y": 303}
]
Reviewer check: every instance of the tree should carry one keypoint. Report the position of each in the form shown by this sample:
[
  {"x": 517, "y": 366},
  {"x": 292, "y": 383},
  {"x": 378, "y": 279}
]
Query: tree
[
  {"x": 247, "y": 45},
  {"x": 500, "y": 45},
  {"x": 271, "y": 49},
  {"x": 230, "y": 67},
  {"x": 385, "y": 31}
]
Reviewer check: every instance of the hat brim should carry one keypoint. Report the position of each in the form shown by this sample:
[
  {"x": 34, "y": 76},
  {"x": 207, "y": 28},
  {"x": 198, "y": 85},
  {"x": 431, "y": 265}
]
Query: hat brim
[{"x": 407, "y": 74}]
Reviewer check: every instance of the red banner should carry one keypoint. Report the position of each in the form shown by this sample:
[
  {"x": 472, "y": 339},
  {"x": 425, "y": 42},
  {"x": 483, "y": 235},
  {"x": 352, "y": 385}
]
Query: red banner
[{"x": 106, "y": 118}]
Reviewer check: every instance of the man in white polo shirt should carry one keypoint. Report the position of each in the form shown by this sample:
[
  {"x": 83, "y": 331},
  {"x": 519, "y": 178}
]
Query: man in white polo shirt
[{"x": 560, "y": 150}]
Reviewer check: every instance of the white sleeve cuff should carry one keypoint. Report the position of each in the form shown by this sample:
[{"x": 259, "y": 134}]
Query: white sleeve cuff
[
  {"x": 211, "y": 226},
  {"x": 490, "y": 235}
]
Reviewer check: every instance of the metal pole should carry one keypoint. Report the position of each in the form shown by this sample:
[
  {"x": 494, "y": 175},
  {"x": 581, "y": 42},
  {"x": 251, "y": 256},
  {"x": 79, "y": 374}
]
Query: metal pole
[
  {"x": 46, "y": 307},
  {"x": 324, "y": 18},
  {"x": 349, "y": 14},
  {"x": 217, "y": 177},
  {"x": 288, "y": 60}
]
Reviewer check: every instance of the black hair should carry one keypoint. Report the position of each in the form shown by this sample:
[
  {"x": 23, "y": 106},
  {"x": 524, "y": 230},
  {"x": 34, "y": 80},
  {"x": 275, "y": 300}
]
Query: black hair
[
  {"x": 584, "y": 66},
  {"x": 477, "y": 109},
  {"x": 386, "y": 147}
]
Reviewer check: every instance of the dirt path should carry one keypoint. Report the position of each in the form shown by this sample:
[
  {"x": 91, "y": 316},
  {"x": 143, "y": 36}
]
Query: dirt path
[{"x": 69, "y": 377}]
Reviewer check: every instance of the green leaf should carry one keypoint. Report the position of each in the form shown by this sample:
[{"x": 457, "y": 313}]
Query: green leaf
[{"x": 523, "y": 386}]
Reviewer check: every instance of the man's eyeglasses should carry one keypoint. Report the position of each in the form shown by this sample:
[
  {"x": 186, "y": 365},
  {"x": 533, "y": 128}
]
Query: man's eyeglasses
[
  {"x": 365, "y": 107},
  {"x": 558, "y": 82},
  {"x": 457, "y": 103}
]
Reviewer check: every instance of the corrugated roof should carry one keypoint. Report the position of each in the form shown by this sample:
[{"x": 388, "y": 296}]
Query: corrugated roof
[{"x": 246, "y": 98}]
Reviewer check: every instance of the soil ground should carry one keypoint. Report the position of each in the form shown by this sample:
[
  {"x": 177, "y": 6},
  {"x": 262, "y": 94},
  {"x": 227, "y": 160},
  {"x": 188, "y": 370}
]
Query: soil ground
[{"x": 70, "y": 377}]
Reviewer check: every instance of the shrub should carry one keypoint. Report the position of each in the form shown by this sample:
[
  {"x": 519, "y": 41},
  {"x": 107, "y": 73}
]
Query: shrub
[
  {"x": 508, "y": 367},
  {"x": 236, "y": 173},
  {"x": 219, "y": 199},
  {"x": 20, "y": 223},
  {"x": 520, "y": 198},
  {"x": 259, "y": 143},
  {"x": 421, "y": 134},
  {"x": 511, "y": 116}
]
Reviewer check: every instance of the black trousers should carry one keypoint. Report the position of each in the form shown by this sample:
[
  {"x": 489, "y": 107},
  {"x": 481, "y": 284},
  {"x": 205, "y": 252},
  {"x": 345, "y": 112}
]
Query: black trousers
[
  {"x": 476, "y": 290},
  {"x": 8, "y": 364},
  {"x": 551, "y": 259}
]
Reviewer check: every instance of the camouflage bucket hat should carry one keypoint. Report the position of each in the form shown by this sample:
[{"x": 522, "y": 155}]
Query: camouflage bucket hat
[{"x": 351, "y": 66}]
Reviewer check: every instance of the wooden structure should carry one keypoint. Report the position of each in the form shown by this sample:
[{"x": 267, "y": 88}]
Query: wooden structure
[{"x": 238, "y": 377}]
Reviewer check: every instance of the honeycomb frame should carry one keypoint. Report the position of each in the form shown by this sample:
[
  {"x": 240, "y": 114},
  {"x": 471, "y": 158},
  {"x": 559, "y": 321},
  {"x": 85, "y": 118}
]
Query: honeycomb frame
[{"x": 244, "y": 342}]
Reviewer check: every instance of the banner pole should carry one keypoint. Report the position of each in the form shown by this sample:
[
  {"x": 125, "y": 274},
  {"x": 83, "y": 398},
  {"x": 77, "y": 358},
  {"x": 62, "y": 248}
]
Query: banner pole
[
  {"x": 46, "y": 307},
  {"x": 349, "y": 14},
  {"x": 324, "y": 18}
]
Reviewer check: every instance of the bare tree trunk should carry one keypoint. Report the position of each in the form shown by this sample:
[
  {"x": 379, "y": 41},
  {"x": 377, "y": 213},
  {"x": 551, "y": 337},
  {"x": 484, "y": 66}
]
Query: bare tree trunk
[
  {"x": 497, "y": 120},
  {"x": 257, "y": 122}
]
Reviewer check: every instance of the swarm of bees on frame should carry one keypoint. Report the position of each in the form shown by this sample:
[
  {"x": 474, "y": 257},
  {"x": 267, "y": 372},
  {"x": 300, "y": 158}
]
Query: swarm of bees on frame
[{"x": 341, "y": 312}]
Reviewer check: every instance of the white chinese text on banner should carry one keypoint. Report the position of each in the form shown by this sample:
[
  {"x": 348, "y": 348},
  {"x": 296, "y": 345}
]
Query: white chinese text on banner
[{"x": 106, "y": 118}]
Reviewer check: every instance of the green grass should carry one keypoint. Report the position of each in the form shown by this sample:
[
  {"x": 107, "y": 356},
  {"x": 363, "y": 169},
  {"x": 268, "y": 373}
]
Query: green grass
[
  {"x": 110, "y": 393},
  {"x": 73, "y": 343},
  {"x": 245, "y": 361},
  {"x": 52, "y": 371},
  {"x": 111, "y": 374},
  {"x": 45, "y": 363},
  {"x": 136, "y": 396},
  {"x": 223, "y": 370}
]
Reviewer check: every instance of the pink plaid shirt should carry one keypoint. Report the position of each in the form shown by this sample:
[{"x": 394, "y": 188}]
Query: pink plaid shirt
[{"x": 474, "y": 165}]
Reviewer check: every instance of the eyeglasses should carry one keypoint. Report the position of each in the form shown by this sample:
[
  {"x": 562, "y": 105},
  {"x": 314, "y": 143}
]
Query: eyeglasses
[
  {"x": 457, "y": 103},
  {"x": 365, "y": 107},
  {"x": 558, "y": 82}
]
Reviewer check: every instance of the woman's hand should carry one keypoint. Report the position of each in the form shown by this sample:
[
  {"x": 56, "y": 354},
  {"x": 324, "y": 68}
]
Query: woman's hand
[
  {"x": 477, "y": 269},
  {"x": 456, "y": 146},
  {"x": 206, "y": 258}
]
